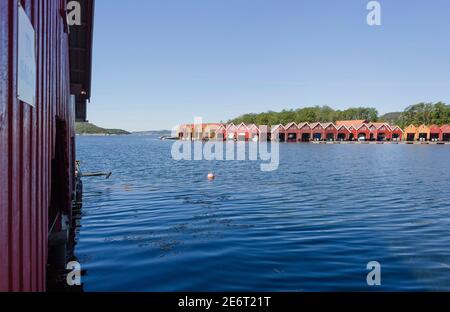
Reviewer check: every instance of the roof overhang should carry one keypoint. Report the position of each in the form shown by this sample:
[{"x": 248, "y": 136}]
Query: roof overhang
[{"x": 80, "y": 49}]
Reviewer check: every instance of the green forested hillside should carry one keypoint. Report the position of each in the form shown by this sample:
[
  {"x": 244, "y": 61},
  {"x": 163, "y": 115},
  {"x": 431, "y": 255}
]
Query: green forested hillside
[
  {"x": 422, "y": 113},
  {"x": 308, "y": 114},
  {"x": 88, "y": 128}
]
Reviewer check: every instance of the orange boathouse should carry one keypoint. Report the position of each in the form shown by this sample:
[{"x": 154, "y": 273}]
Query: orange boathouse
[{"x": 424, "y": 133}]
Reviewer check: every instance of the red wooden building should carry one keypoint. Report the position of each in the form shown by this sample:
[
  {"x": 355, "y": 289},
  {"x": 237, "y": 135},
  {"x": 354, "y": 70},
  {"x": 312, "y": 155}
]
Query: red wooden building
[
  {"x": 362, "y": 132},
  {"x": 397, "y": 133},
  {"x": 254, "y": 132},
  {"x": 445, "y": 132},
  {"x": 304, "y": 132},
  {"x": 221, "y": 133},
  {"x": 331, "y": 132},
  {"x": 291, "y": 131},
  {"x": 242, "y": 132},
  {"x": 37, "y": 139},
  {"x": 317, "y": 132},
  {"x": 435, "y": 133},
  {"x": 231, "y": 132},
  {"x": 278, "y": 133},
  {"x": 347, "y": 130},
  {"x": 343, "y": 133},
  {"x": 383, "y": 132}
]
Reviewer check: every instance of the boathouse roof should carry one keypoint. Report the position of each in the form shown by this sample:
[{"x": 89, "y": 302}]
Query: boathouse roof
[
  {"x": 349, "y": 123},
  {"x": 277, "y": 128}
]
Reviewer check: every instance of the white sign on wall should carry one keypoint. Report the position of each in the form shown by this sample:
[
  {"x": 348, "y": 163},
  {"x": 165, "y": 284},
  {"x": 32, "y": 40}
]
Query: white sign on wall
[{"x": 26, "y": 74}]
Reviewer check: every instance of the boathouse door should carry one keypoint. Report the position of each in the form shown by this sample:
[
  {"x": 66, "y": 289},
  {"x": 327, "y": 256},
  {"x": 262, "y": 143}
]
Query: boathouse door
[
  {"x": 60, "y": 184},
  {"x": 423, "y": 137},
  {"x": 330, "y": 137},
  {"x": 434, "y": 136},
  {"x": 362, "y": 136},
  {"x": 306, "y": 137},
  {"x": 317, "y": 136},
  {"x": 292, "y": 137}
]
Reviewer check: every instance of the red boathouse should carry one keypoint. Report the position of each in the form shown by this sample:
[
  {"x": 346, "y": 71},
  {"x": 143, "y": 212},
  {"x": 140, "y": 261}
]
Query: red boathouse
[
  {"x": 221, "y": 133},
  {"x": 254, "y": 132},
  {"x": 435, "y": 133},
  {"x": 397, "y": 134},
  {"x": 445, "y": 130},
  {"x": 231, "y": 132},
  {"x": 304, "y": 132},
  {"x": 243, "y": 133},
  {"x": 291, "y": 132},
  {"x": 331, "y": 132},
  {"x": 362, "y": 132},
  {"x": 317, "y": 132},
  {"x": 343, "y": 134},
  {"x": 38, "y": 107},
  {"x": 278, "y": 133}
]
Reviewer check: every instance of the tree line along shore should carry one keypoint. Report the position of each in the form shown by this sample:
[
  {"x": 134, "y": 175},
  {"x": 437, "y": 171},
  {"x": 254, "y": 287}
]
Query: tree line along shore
[{"x": 418, "y": 114}]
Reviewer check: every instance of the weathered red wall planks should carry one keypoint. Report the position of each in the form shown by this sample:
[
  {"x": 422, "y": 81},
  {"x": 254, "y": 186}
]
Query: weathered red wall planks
[{"x": 27, "y": 142}]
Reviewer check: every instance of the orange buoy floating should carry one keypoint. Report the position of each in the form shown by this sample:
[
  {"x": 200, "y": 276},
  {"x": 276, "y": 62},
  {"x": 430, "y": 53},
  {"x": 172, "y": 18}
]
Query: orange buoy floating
[{"x": 211, "y": 176}]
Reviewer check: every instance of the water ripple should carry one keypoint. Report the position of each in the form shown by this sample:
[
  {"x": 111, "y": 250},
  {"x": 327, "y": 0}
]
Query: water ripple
[{"x": 312, "y": 225}]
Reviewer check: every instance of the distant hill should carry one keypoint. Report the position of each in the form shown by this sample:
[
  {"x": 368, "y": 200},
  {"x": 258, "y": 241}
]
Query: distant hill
[
  {"x": 85, "y": 128},
  {"x": 392, "y": 118}
]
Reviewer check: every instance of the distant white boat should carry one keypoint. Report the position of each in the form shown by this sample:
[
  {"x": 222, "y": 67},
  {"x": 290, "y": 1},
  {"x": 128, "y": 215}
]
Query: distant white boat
[{"x": 164, "y": 138}]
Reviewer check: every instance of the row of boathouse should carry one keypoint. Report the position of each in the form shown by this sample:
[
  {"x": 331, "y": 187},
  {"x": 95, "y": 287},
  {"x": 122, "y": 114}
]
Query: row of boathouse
[{"x": 345, "y": 130}]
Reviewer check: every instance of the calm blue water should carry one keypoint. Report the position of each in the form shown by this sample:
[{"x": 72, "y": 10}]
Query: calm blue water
[{"x": 312, "y": 225}]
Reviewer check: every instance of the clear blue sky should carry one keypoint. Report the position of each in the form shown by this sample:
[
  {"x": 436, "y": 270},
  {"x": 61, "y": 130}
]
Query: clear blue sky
[{"x": 158, "y": 63}]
